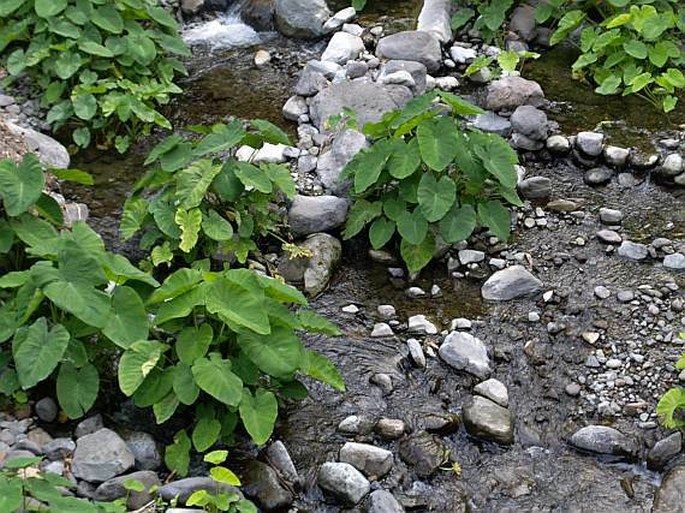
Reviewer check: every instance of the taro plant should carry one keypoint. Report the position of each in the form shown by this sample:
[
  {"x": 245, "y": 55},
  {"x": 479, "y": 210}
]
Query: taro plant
[
  {"x": 489, "y": 15},
  {"x": 64, "y": 300},
  {"x": 671, "y": 406},
  {"x": 430, "y": 179},
  {"x": 224, "y": 349},
  {"x": 199, "y": 201},
  {"x": 101, "y": 67},
  {"x": 627, "y": 47},
  {"x": 22, "y": 485}
]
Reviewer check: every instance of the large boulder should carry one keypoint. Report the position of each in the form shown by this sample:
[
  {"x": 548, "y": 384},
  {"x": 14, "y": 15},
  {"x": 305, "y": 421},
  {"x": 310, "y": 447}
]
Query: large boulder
[
  {"x": 510, "y": 283},
  {"x": 435, "y": 19},
  {"x": 367, "y": 99},
  {"x": 332, "y": 162},
  {"x": 259, "y": 14},
  {"x": 312, "y": 214},
  {"x": 301, "y": 18},
  {"x": 49, "y": 152},
  {"x": 412, "y": 45},
  {"x": 101, "y": 456},
  {"x": 510, "y": 92},
  {"x": 343, "y": 47}
]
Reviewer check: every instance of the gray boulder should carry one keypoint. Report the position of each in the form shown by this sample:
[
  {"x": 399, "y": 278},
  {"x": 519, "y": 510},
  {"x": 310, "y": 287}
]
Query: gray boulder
[
  {"x": 633, "y": 250},
  {"x": 492, "y": 123},
  {"x": 530, "y": 121},
  {"x": 295, "y": 107},
  {"x": 672, "y": 165},
  {"x": 664, "y": 450},
  {"x": 314, "y": 214},
  {"x": 344, "y": 481},
  {"x": 465, "y": 352},
  {"x": 144, "y": 449},
  {"x": 50, "y": 152},
  {"x": 332, "y": 162},
  {"x": 590, "y": 143},
  {"x": 368, "y": 99},
  {"x": 259, "y": 14},
  {"x": 670, "y": 496},
  {"x": 675, "y": 261},
  {"x": 411, "y": 45},
  {"x": 417, "y": 71},
  {"x": 301, "y": 18},
  {"x": 343, "y": 47},
  {"x": 101, "y": 456},
  {"x": 382, "y": 501},
  {"x": 115, "y": 488},
  {"x": 603, "y": 440},
  {"x": 435, "y": 19},
  {"x": 486, "y": 419},
  {"x": 262, "y": 483},
  {"x": 523, "y": 22},
  {"x": 326, "y": 251},
  {"x": 372, "y": 461},
  {"x": 510, "y": 283},
  {"x": 511, "y": 92}
]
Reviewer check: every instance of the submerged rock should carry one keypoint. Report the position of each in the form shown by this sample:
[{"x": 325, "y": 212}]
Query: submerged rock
[
  {"x": 344, "y": 481},
  {"x": 664, "y": 450},
  {"x": 511, "y": 283},
  {"x": 488, "y": 420},
  {"x": 424, "y": 452},
  {"x": 603, "y": 440},
  {"x": 466, "y": 352}
]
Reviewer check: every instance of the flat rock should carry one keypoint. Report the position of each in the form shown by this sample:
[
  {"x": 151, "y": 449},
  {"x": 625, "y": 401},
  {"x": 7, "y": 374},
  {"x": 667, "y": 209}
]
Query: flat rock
[
  {"x": 670, "y": 496},
  {"x": 115, "y": 488},
  {"x": 492, "y": 123},
  {"x": 344, "y": 481},
  {"x": 184, "y": 488},
  {"x": 411, "y": 45},
  {"x": 510, "y": 283},
  {"x": 610, "y": 215},
  {"x": 465, "y": 352},
  {"x": 372, "y": 461},
  {"x": 536, "y": 187},
  {"x": 675, "y": 261},
  {"x": 609, "y": 237},
  {"x": 486, "y": 419},
  {"x": 101, "y": 456},
  {"x": 603, "y": 440},
  {"x": 633, "y": 250},
  {"x": 314, "y": 214}
]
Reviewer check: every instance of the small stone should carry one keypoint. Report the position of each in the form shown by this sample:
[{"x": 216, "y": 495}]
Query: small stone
[
  {"x": 533, "y": 317},
  {"x": 610, "y": 216},
  {"x": 416, "y": 352},
  {"x": 591, "y": 337},
  {"x": 535, "y": 187},
  {"x": 664, "y": 450},
  {"x": 382, "y": 501},
  {"x": 558, "y": 144},
  {"x": 390, "y": 429},
  {"x": 386, "y": 311},
  {"x": 144, "y": 449},
  {"x": 419, "y": 325},
  {"x": 494, "y": 390},
  {"x": 350, "y": 309},
  {"x": 609, "y": 237},
  {"x": 485, "y": 419},
  {"x": 415, "y": 293},
  {"x": 59, "y": 449},
  {"x": 616, "y": 156},
  {"x": 465, "y": 352},
  {"x": 424, "y": 452},
  {"x": 562, "y": 205},
  {"x": 614, "y": 363},
  {"x": 672, "y": 165},
  {"x": 675, "y": 261},
  {"x": 278, "y": 457},
  {"x": 381, "y": 329},
  {"x": 372, "y": 461},
  {"x": 469, "y": 256},
  {"x": 632, "y": 250},
  {"x": 89, "y": 426},
  {"x": 602, "y": 292},
  {"x": 262, "y": 58},
  {"x": 263, "y": 483},
  {"x": 625, "y": 296},
  {"x": 356, "y": 425},
  {"x": 436, "y": 291},
  {"x": 590, "y": 143},
  {"x": 46, "y": 409},
  {"x": 460, "y": 324},
  {"x": 184, "y": 488},
  {"x": 344, "y": 481},
  {"x": 598, "y": 176},
  {"x": 603, "y": 440},
  {"x": 573, "y": 389},
  {"x": 511, "y": 283}
]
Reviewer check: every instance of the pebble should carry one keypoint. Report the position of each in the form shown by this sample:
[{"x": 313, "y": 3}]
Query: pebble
[
  {"x": 351, "y": 309},
  {"x": 591, "y": 337},
  {"x": 390, "y": 429},
  {"x": 386, "y": 311},
  {"x": 46, "y": 409},
  {"x": 609, "y": 237},
  {"x": 675, "y": 261},
  {"x": 419, "y": 325},
  {"x": 415, "y": 293},
  {"x": 573, "y": 389},
  {"x": 436, "y": 291},
  {"x": 632, "y": 250},
  {"x": 602, "y": 292},
  {"x": 381, "y": 329},
  {"x": 469, "y": 256},
  {"x": 416, "y": 352},
  {"x": 610, "y": 216},
  {"x": 625, "y": 296},
  {"x": 494, "y": 390}
]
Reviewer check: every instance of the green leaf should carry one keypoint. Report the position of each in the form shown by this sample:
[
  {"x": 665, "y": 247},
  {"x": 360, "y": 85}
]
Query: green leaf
[
  {"x": 107, "y": 18},
  {"x": 81, "y": 137},
  {"x": 193, "y": 343},
  {"x": 270, "y": 132},
  {"x": 381, "y": 231},
  {"x": 216, "y": 457},
  {"x": 136, "y": 363},
  {"x": 610, "y": 85},
  {"x": 177, "y": 455},
  {"x": 16, "y": 62},
  {"x": 135, "y": 211},
  {"x": 20, "y": 185},
  {"x": 165, "y": 408},
  {"x": 67, "y": 64},
  {"x": 436, "y": 197},
  {"x": 568, "y": 23},
  {"x": 11, "y": 490},
  {"x": 322, "y": 369},
  {"x": 227, "y": 185},
  {"x": 77, "y": 389},
  {"x": 418, "y": 256},
  {"x": 48, "y": 208},
  {"x": 497, "y": 157},
  {"x": 6, "y": 8},
  {"x": 162, "y": 17},
  {"x": 670, "y": 406},
  {"x": 412, "y": 226},
  {"x": 316, "y": 323},
  {"x": 48, "y": 8},
  {"x": 206, "y": 433},
  {"x": 437, "y": 142},
  {"x": 164, "y": 146},
  {"x": 461, "y": 18},
  {"x": 361, "y": 213},
  {"x": 216, "y": 378},
  {"x": 658, "y": 54},
  {"x": 258, "y": 414},
  {"x": 251, "y": 176},
  {"x": 508, "y": 61},
  {"x": 37, "y": 352},
  {"x": 216, "y": 227},
  {"x": 405, "y": 159},
  {"x": 279, "y": 354},
  {"x": 189, "y": 222},
  {"x": 222, "y": 138},
  {"x": 120, "y": 270},
  {"x": 64, "y": 28},
  {"x": 641, "y": 81},
  {"x": 85, "y": 106},
  {"x": 496, "y": 217},
  {"x": 280, "y": 176},
  {"x": 239, "y": 305},
  {"x": 368, "y": 164},
  {"x": 669, "y": 103},
  {"x": 96, "y": 49},
  {"x": 224, "y": 476},
  {"x": 176, "y": 284},
  {"x": 127, "y": 320},
  {"x": 192, "y": 183},
  {"x": 184, "y": 384},
  {"x": 636, "y": 49},
  {"x": 458, "y": 224},
  {"x": 86, "y": 303}
]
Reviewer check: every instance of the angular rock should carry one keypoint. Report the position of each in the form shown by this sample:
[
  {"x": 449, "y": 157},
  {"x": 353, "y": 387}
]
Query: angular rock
[
  {"x": 424, "y": 453},
  {"x": 144, "y": 449},
  {"x": 101, "y": 456},
  {"x": 465, "y": 352},
  {"x": 49, "y": 151},
  {"x": 343, "y": 47},
  {"x": 536, "y": 187},
  {"x": 184, "y": 488},
  {"x": 416, "y": 352},
  {"x": 59, "y": 449},
  {"x": 295, "y": 107},
  {"x": 332, "y": 162},
  {"x": 301, "y": 18},
  {"x": 419, "y": 325},
  {"x": 486, "y": 419},
  {"x": 344, "y": 481},
  {"x": 372, "y": 461},
  {"x": 664, "y": 450},
  {"x": 435, "y": 19},
  {"x": 530, "y": 121},
  {"x": 670, "y": 496},
  {"x": 381, "y": 329},
  {"x": 463, "y": 55},
  {"x": 603, "y": 440},
  {"x": 411, "y": 45},
  {"x": 382, "y": 501},
  {"x": 633, "y": 250},
  {"x": 610, "y": 216},
  {"x": 339, "y": 19},
  {"x": 262, "y": 483},
  {"x": 314, "y": 214},
  {"x": 511, "y": 92},
  {"x": 115, "y": 488},
  {"x": 510, "y": 283},
  {"x": 470, "y": 256},
  {"x": 326, "y": 251},
  {"x": 279, "y": 458},
  {"x": 590, "y": 143},
  {"x": 675, "y": 261},
  {"x": 492, "y": 123},
  {"x": 417, "y": 71},
  {"x": 494, "y": 390}
]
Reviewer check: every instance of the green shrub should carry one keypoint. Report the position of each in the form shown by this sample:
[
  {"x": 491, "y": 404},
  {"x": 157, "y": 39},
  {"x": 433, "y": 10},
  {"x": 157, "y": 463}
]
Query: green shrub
[
  {"x": 490, "y": 16},
  {"x": 429, "y": 178},
  {"x": 631, "y": 48},
  {"x": 198, "y": 201},
  {"x": 103, "y": 67},
  {"x": 671, "y": 406}
]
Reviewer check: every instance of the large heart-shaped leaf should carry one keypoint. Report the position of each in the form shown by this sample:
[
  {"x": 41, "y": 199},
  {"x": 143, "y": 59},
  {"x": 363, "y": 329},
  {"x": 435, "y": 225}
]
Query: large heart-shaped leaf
[
  {"x": 238, "y": 306},
  {"x": 184, "y": 384},
  {"x": 418, "y": 256},
  {"x": 189, "y": 221},
  {"x": 192, "y": 343},
  {"x": 77, "y": 388},
  {"x": 412, "y": 226},
  {"x": 192, "y": 182},
  {"x": 216, "y": 227},
  {"x": 136, "y": 363},
  {"x": 177, "y": 455},
  {"x": 279, "y": 354},
  {"x": 127, "y": 322},
  {"x": 258, "y": 414},
  {"x": 496, "y": 217},
  {"x": 206, "y": 433},
  {"x": 437, "y": 142},
  {"x": 20, "y": 185},
  {"x": 48, "y": 8},
  {"x": 108, "y": 18},
  {"x": 215, "y": 377},
  {"x": 458, "y": 224},
  {"x": 321, "y": 368},
  {"x": 436, "y": 197},
  {"x": 37, "y": 351}
]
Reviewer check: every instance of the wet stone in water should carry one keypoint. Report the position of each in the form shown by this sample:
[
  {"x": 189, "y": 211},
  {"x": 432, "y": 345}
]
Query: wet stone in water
[{"x": 489, "y": 421}]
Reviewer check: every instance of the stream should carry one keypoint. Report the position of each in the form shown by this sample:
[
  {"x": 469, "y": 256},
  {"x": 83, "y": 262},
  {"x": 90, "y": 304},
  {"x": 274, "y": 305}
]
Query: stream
[{"x": 539, "y": 473}]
